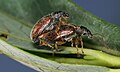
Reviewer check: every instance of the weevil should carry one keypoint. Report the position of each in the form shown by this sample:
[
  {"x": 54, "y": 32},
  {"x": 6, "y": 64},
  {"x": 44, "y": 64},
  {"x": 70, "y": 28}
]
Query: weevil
[
  {"x": 66, "y": 33},
  {"x": 47, "y": 23}
]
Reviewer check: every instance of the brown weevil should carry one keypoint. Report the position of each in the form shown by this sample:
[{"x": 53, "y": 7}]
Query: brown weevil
[
  {"x": 48, "y": 23},
  {"x": 65, "y": 34},
  {"x": 53, "y": 30}
]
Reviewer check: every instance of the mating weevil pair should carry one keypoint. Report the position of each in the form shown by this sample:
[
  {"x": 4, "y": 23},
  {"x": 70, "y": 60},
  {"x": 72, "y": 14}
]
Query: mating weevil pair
[{"x": 51, "y": 30}]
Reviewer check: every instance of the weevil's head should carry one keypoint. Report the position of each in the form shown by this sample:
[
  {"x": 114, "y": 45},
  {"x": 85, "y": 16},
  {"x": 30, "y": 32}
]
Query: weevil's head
[
  {"x": 60, "y": 14},
  {"x": 81, "y": 30}
]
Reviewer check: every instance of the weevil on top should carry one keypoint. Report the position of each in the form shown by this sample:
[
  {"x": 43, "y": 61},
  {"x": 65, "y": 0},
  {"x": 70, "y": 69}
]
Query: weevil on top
[
  {"x": 47, "y": 23},
  {"x": 51, "y": 31}
]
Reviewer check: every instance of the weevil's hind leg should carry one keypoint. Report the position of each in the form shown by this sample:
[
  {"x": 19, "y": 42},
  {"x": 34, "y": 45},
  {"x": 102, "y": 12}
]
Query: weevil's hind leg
[
  {"x": 56, "y": 47},
  {"x": 50, "y": 46},
  {"x": 78, "y": 54},
  {"x": 46, "y": 44},
  {"x": 81, "y": 42},
  {"x": 76, "y": 42},
  {"x": 53, "y": 49},
  {"x": 72, "y": 43}
]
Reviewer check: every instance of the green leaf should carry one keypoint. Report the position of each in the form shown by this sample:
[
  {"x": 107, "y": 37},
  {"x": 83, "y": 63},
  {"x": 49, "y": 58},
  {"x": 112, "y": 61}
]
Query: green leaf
[
  {"x": 18, "y": 17},
  {"x": 106, "y": 35}
]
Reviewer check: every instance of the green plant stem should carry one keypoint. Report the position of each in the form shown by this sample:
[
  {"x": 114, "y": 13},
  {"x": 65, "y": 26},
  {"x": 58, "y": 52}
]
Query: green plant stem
[
  {"x": 93, "y": 57},
  {"x": 41, "y": 64}
]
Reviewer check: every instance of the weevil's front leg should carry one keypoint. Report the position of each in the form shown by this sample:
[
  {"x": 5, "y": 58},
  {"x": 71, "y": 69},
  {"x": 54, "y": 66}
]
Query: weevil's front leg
[
  {"x": 78, "y": 54},
  {"x": 65, "y": 23}
]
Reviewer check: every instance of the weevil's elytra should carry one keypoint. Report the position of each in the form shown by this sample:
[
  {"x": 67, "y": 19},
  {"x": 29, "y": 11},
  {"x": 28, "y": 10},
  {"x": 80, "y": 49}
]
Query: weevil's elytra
[{"x": 38, "y": 28}]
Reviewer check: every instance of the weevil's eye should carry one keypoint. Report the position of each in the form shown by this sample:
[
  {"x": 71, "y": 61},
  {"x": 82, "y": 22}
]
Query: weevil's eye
[
  {"x": 84, "y": 33},
  {"x": 65, "y": 14},
  {"x": 89, "y": 34}
]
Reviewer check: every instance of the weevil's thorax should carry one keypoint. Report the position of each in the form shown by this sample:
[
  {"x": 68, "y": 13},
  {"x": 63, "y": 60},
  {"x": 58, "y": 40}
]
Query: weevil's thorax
[
  {"x": 78, "y": 30},
  {"x": 59, "y": 14}
]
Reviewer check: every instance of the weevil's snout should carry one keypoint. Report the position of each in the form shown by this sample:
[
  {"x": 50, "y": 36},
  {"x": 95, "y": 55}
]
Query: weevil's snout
[{"x": 89, "y": 34}]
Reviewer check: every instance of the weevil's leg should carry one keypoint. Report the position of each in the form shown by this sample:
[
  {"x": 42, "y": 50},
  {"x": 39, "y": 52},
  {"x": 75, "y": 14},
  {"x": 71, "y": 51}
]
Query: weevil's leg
[
  {"x": 42, "y": 43},
  {"x": 62, "y": 22},
  {"x": 81, "y": 42},
  {"x": 53, "y": 53},
  {"x": 72, "y": 43},
  {"x": 65, "y": 23},
  {"x": 50, "y": 46},
  {"x": 76, "y": 45},
  {"x": 56, "y": 47},
  {"x": 78, "y": 54},
  {"x": 46, "y": 44},
  {"x": 65, "y": 20}
]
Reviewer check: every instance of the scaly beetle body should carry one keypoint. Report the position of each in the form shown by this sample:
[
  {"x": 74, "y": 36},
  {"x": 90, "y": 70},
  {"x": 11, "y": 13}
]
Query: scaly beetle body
[
  {"x": 48, "y": 23},
  {"x": 65, "y": 34},
  {"x": 51, "y": 30}
]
